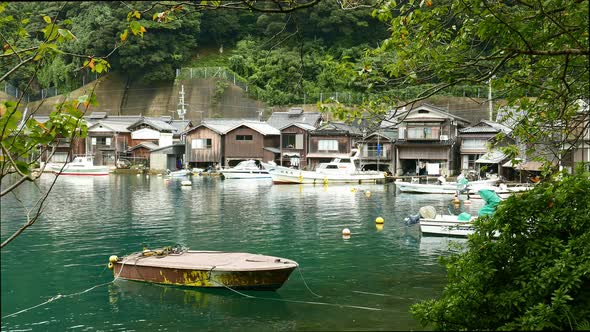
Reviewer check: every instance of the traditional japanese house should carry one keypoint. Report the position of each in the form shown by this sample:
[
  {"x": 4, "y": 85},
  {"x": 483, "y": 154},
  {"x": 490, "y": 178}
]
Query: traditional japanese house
[
  {"x": 377, "y": 150},
  {"x": 426, "y": 143},
  {"x": 107, "y": 140},
  {"x": 251, "y": 140},
  {"x": 475, "y": 155},
  {"x": 295, "y": 125},
  {"x": 330, "y": 141},
  {"x": 226, "y": 142},
  {"x": 294, "y": 142},
  {"x": 205, "y": 144}
]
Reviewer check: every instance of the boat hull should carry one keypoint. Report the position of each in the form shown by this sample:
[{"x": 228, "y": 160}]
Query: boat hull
[
  {"x": 283, "y": 175},
  {"x": 199, "y": 269},
  {"x": 446, "y": 227},
  {"x": 452, "y": 188},
  {"x": 96, "y": 171},
  {"x": 253, "y": 174}
]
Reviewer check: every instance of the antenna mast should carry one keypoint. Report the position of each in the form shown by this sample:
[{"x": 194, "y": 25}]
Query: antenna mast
[{"x": 181, "y": 111}]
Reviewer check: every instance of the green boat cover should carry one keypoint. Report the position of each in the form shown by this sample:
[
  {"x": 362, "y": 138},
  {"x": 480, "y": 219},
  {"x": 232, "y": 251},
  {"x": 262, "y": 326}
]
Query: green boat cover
[
  {"x": 492, "y": 200},
  {"x": 464, "y": 217}
]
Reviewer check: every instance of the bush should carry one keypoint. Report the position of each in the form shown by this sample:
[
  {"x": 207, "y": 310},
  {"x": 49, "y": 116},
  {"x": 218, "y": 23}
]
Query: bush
[{"x": 535, "y": 276}]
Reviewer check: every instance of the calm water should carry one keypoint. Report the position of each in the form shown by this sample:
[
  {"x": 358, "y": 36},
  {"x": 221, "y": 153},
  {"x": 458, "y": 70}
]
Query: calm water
[{"x": 366, "y": 282}]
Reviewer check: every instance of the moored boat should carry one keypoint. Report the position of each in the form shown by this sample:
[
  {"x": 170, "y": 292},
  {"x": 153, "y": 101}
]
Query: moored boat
[
  {"x": 247, "y": 169},
  {"x": 179, "y": 173},
  {"x": 182, "y": 267},
  {"x": 445, "y": 188},
  {"x": 81, "y": 165},
  {"x": 343, "y": 169},
  {"x": 447, "y": 225}
]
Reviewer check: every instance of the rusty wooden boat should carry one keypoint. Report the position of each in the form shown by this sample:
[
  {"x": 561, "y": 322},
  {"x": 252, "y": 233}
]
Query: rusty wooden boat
[{"x": 235, "y": 270}]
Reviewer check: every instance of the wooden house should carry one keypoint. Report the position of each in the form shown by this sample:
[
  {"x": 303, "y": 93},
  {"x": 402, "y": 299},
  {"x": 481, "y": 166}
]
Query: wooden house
[
  {"x": 295, "y": 126},
  {"x": 294, "y": 142},
  {"x": 330, "y": 141},
  {"x": 251, "y": 140},
  {"x": 226, "y": 142},
  {"x": 377, "y": 150},
  {"x": 475, "y": 155},
  {"x": 426, "y": 143}
]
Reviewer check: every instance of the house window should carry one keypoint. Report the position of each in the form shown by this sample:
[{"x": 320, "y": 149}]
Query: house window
[
  {"x": 101, "y": 141},
  {"x": 423, "y": 132},
  {"x": 328, "y": 145},
  {"x": 288, "y": 141},
  {"x": 469, "y": 160},
  {"x": 201, "y": 143},
  {"x": 243, "y": 137},
  {"x": 372, "y": 150},
  {"x": 474, "y": 143}
]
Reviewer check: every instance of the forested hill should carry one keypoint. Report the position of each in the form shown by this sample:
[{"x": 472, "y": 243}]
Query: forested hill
[{"x": 300, "y": 58}]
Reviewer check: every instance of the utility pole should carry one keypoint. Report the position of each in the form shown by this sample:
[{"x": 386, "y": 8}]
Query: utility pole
[
  {"x": 181, "y": 111},
  {"x": 490, "y": 96}
]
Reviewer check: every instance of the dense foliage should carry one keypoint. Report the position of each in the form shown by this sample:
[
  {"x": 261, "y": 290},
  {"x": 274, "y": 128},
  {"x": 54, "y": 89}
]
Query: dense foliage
[{"x": 535, "y": 276}]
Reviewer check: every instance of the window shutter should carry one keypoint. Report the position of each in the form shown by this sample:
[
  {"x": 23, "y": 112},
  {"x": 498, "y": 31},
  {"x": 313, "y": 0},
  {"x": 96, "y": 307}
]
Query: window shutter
[{"x": 299, "y": 141}]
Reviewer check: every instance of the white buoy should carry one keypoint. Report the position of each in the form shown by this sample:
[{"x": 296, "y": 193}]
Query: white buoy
[
  {"x": 346, "y": 232},
  {"x": 368, "y": 193}
]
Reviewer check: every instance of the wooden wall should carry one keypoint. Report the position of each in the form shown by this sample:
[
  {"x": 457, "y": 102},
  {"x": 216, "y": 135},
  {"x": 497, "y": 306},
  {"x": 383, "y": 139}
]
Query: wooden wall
[{"x": 213, "y": 154}]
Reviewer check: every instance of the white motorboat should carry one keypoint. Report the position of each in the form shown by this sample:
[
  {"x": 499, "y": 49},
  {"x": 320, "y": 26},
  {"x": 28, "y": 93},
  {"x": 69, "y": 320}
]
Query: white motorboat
[
  {"x": 502, "y": 191},
  {"x": 179, "y": 173},
  {"x": 340, "y": 170},
  {"x": 81, "y": 165},
  {"x": 445, "y": 188},
  {"x": 247, "y": 169},
  {"x": 447, "y": 225}
]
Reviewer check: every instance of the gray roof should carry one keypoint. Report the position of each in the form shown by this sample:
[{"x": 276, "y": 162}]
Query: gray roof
[
  {"x": 303, "y": 126},
  {"x": 294, "y": 115},
  {"x": 148, "y": 145},
  {"x": 223, "y": 126},
  {"x": 155, "y": 123},
  {"x": 486, "y": 126},
  {"x": 400, "y": 114},
  {"x": 339, "y": 126}
]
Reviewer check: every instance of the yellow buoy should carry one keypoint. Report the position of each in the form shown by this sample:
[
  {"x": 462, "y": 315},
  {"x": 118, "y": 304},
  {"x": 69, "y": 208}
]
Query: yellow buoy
[
  {"x": 379, "y": 220},
  {"x": 379, "y": 227},
  {"x": 110, "y": 265},
  {"x": 113, "y": 258},
  {"x": 353, "y": 190},
  {"x": 346, "y": 232},
  {"x": 368, "y": 193}
]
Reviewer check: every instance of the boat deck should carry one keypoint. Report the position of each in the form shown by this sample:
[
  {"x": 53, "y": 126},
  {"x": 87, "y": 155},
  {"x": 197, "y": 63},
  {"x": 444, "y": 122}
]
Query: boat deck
[{"x": 208, "y": 260}]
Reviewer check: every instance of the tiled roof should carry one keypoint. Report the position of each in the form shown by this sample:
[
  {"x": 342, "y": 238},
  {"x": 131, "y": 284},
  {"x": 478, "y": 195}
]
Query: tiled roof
[
  {"x": 283, "y": 119},
  {"x": 300, "y": 125},
  {"x": 261, "y": 127}
]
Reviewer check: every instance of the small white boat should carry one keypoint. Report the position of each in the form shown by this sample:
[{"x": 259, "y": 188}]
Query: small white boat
[
  {"x": 502, "y": 191},
  {"x": 186, "y": 183},
  {"x": 445, "y": 188},
  {"x": 247, "y": 169},
  {"x": 179, "y": 173},
  {"x": 344, "y": 169},
  {"x": 447, "y": 225},
  {"x": 81, "y": 165},
  {"x": 181, "y": 267}
]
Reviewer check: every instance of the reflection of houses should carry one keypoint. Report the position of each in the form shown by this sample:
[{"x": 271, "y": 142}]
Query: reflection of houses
[
  {"x": 329, "y": 141},
  {"x": 295, "y": 126},
  {"x": 474, "y": 147},
  {"x": 228, "y": 142},
  {"x": 426, "y": 142}
]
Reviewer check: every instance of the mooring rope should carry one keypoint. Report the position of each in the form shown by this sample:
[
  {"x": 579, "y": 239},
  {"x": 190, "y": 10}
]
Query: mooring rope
[
  {"x": 59, "y": 296},
  {"x": 300, "y": 301},
  {"x": 305, "y": 283}
]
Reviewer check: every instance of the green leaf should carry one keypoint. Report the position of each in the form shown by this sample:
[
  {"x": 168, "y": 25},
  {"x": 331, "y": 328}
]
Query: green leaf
[{"x": 47, "y": 19}]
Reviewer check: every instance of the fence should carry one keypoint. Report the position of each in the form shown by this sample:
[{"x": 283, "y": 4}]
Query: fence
[
  {"x": 346, "y": 97},
  {"x": 49, "y": 92}
]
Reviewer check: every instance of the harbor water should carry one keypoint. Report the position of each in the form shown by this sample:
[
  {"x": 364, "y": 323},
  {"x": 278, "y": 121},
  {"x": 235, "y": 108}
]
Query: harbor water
[{"x": 55, "y": 276}]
